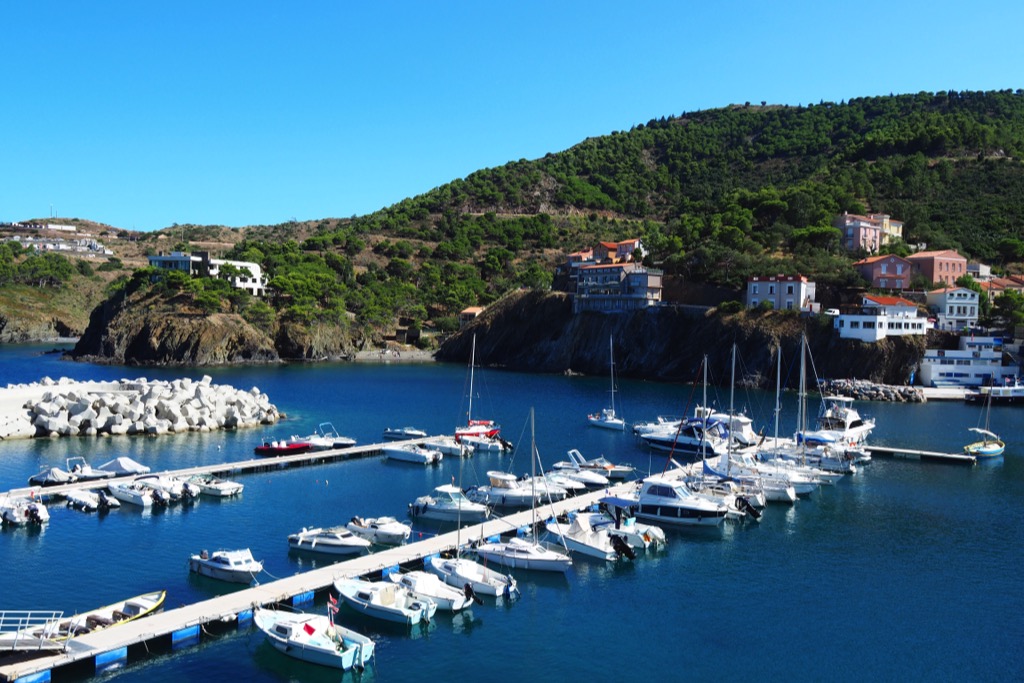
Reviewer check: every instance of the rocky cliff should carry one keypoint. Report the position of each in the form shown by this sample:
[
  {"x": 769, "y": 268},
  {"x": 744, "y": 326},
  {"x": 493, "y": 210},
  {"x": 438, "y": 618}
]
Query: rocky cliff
[
  {"x": 144, "y": 328},
  {"x": 537, "y": 332}
]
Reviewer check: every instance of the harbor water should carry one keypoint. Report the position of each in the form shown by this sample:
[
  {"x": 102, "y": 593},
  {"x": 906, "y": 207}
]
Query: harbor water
[{"x": 904, "y": 571}]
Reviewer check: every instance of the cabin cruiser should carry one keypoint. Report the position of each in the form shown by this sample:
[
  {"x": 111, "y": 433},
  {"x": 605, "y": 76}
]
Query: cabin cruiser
[
  {"x": 386, "y": 600},
  {"x": 520, "y": 553},
  {"x": 402, "y": 433},
  {"x": 381, "y": 530},
  {"x": 448, "y": 504},
  {"x": 314, "y": 638},
  {"x": 670, "y": 501},
  {"x": 694, "y": 436},
  {"x": 505, "y": 490},
  {"x": 331, "y": 541},
  {"x": 414, "y": 453},
  {"x": 234, "y": 566}
]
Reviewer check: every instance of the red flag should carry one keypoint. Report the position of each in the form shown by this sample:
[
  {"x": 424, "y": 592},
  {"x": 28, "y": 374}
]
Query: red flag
[
  {"x": 308, "y": 629},
  {"x": 334, "y": 600}
]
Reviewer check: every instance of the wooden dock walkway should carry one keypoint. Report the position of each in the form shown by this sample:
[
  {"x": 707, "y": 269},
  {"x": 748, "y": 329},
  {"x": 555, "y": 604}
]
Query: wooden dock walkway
[
  {"x": 93, "y": 653},
  {"x": 224, "y": 469},
  {"x": 910, "y": 454}
]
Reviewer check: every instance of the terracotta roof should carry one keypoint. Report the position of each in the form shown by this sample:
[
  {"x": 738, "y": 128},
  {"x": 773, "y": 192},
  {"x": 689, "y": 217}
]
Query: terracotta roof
[
  {"x": 949, "y": 253},
  {"x": 871, "y": 259},
  {"x": 889, "y": 300}
]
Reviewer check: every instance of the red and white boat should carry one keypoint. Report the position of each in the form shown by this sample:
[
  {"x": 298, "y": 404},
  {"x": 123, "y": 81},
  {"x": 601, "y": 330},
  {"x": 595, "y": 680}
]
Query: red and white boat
[{"x": 275, "y": 448}]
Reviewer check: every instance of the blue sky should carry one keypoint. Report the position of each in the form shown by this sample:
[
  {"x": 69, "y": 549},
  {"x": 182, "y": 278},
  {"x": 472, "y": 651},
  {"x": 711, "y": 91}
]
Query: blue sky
[{"x": 145, "y": 114}]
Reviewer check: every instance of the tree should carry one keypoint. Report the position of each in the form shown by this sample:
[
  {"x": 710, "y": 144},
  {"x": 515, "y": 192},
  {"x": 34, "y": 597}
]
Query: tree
[{"x": 1008, "y": 309}]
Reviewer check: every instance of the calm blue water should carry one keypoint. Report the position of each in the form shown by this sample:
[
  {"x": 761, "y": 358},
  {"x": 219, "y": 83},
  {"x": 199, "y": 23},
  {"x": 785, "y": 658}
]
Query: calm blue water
[{"x": 905, "y": 571}]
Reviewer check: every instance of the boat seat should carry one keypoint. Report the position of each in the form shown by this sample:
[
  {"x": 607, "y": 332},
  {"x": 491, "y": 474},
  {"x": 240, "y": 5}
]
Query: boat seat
[
  {"x": 387, "y": 595},
  {"x": 95, "y": 621},
  {"x": 121, "y": 616}
]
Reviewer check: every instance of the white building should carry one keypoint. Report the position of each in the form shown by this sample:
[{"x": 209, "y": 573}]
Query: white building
[
  {"x": 785, "y": 292},
  {"x": 251, "y": 278},
  {"x": 881, "y": 317},
  {"x": 955, "y": 308},
  {"x": 978, "y": 361}
]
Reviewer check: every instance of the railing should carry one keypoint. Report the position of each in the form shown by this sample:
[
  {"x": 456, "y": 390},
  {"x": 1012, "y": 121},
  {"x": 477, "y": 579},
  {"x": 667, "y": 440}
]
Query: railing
[{"x": 29, "y": 629}]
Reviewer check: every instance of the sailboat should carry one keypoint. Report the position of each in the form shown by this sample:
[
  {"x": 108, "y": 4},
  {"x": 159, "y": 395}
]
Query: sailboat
[
  {"x": 607, "y": 419},
  {"x": 521, "y": 553},
  {"x": 480, "y": 435},
  {"x": 990, "y": 446}
]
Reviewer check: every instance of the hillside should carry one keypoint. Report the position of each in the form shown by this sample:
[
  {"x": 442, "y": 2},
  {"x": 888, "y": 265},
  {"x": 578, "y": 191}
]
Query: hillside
[{"x": 716, "y": 196}]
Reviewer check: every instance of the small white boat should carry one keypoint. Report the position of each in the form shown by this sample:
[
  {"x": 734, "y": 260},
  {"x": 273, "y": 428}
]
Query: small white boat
[
  {"x": 381, "y": 530},
  {"x": 385, "y": 600},
  {"x": 574, "y": 470},
  {"x": 313, "y": 638},
  {"x": 459, "y": 572},
  {"x": 485, "y": 444},
  {"x": 124, "y": 466},
  {"x": 402, "y": 433},
  {"x": 234, "y": 566},
  {"x": 20, "y": 511},
  {"x": 210, "y": 485},
  {"x": 137, "y": 494},
  {"x": 580, "y": 537},
  {"x": 414, "y": 453},
  {"x": 176, "y": 490},
  {"x": 331, "y": 541},
  {"x": 91, "y": 501},
  {"x": 425, "y": 585},
  {"x": 605, "y": 467},
  {"x": 617, "y": 516},
  {"x": 519, "y": 553},
  {"x": 326, "y": 438},
  {"x": 448, "y": 504},
  {"x": 450, "y": 445},
  {"x": 505, "y": 490}
]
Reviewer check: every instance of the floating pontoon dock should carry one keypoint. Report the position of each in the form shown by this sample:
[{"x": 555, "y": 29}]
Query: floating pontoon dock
[
  {"x": 910, "y": 454},
  {"x": 96, "y": 652}
]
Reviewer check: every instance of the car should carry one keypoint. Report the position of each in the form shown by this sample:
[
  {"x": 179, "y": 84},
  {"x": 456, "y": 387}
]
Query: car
[{"x": 832, "y": 311}]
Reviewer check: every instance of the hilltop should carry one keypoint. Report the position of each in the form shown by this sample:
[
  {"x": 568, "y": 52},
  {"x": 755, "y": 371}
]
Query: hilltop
[{"x": 715, "y": 195}]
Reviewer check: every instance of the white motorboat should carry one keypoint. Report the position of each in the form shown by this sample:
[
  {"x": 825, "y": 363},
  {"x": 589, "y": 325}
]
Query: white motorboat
[
  {"x": 580, "y": 537},
  {"x": 485, "y": 444},
  {"x": 402, "y": 433},
  {"x": 606, "y": 418},
  {"x": 520, "y": 553},
  {"x": 21, "y": 511},
  {"x": 234, "y": 566},
  {"x": 176, "y": 490},
  {"x": 211, "y": 485},
  {"x": 448, "y": 504},
  {"x": 314, "y": 638},
  {"x": 331, "y": 541},
  {"x": 427, "y": 586},
  {"x": 694, "y": 436},
  {"x": 617, "y": 516},
  {"x": 326, "y": 438},
  {"x": 605, "y": 467},
  {"x": 123, "y": 466},
  {"x": 380, "y": 530},
  {"x": 670, "y": 501},
  {"x": 547, "y": 489},
  {"x": 504, "y": 490},
  {"x": 386, "y": 600},
  {"x": 573, "y": 469},
  {"x": 137, "y": 494},
  {"x": 571, "y": 486},
  {"x": 91, "y": 501},
  {"x": 414, "y": 453},
  {"x": 450, "y": 445},
  {"x": 459, "y": 571}
]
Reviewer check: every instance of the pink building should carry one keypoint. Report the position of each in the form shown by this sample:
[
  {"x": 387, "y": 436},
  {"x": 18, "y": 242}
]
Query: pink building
[
  {"x": 943, "y": 266},
  {"x": 869, "y": 232},
  {"x": 885, "y": 272},
  {"x": 617, "y": 252}
]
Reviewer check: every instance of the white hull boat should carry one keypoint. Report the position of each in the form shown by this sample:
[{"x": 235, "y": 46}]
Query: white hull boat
[
  {"x": 414, "y": 453},
  {"x": 580, "y": 537},
  {"x": 385, "y": 600},
  {"x": 607, "y": 418},
  {"x": 18, "y": 511},
  {"x": 402, "y": 433},
  {"x": 233, "y": 566},
  {"x": 519, "y": 553},
  {"x": 449, "y": 445},
  {"x": 504, "y": 490},
  {"x": 670, "y": 501},
  {"x": 210, "y": 485},
  {"x": 124, "y": 466},
  {"x": 448, "y": 504},
  {"x": 101, "y": 618},
  {"x": 135, "y": 494},
  {"x": 332, "y": 541},
  {"x": 313, "y": 638},
  {"x": 427, "y": 586},
  {"x": 380, "y": 530},
  {"x": 83, "y": 471},
  {"x": 460, "y": 571}
]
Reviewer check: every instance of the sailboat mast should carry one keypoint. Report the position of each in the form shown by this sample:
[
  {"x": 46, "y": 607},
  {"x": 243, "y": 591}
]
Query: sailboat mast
[
  {"x": 472, "y": 364},
  {"x": 778, "y": 390},
  {"x": 732, "y": 392},
  {"x": 533, "y": 471},
  {"x": 611, "y": 360}
]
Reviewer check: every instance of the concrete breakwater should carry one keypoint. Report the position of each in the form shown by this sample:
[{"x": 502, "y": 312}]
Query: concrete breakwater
[
  {"x": 870, "y": 391},
  {"x": 70, "y": 408}
]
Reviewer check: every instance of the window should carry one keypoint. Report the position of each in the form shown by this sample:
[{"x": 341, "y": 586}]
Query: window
[
  {"x": 753, "y": 289},
  {"x": 885, "y": 268},
  {"x": 899, "y": 269},
  {"x": 771, "y": 289},
  {"x": 789, "y": 289}
]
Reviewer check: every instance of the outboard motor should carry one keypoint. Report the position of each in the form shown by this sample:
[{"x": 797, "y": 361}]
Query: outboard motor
[
  {"x": 621, "y": 547},
  {"x": 471, "y": 594},
  {"x": 744, "y": 505},
  {"x": 32, "y": 512}
]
